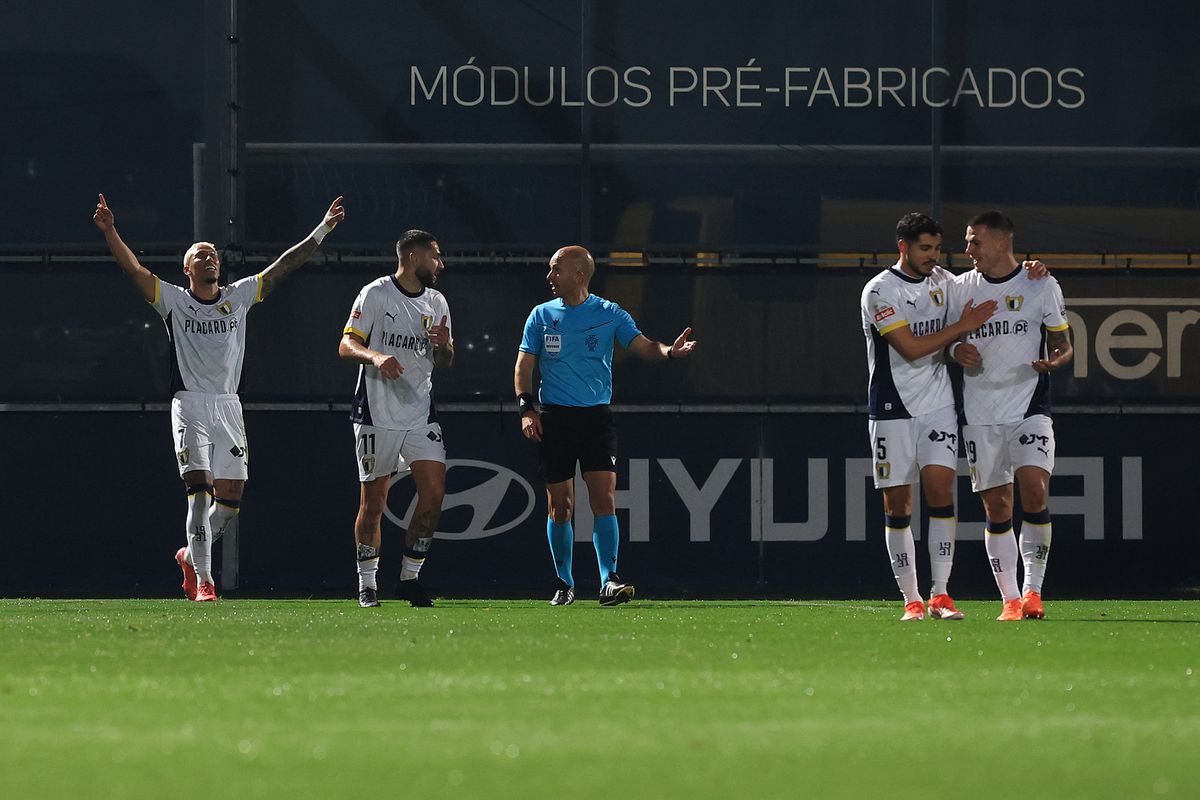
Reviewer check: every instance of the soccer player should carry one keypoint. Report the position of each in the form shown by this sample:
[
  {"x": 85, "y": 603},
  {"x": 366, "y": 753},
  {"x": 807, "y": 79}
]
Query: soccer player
[
  {"x": 572, "y": 338},
  {"x": 206, "y": 324},
  {"x": 1007, "y": 428},
  {"x": 912, "y": 420},
  {"x": 398, "y": 331}
]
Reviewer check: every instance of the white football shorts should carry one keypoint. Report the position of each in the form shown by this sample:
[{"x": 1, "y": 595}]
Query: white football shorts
[
  {"x": 381, "y": 452},
  {"x": 901, "y": 448},
  {"x": 996, "y": 452},
  {"x": 210, "y": 435}
]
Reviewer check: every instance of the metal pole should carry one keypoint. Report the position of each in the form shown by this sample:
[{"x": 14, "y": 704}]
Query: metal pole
[{"x": 937, "y": 56}]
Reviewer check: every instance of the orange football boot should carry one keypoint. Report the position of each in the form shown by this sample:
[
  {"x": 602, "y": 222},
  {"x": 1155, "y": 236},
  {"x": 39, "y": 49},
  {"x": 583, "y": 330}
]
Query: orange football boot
[
  {"x": 913, "y": 610},
  {"x": 1012, "y": 611},
  {"x": 206, "y": 593},
  {"x": 941, "y": 606},
  {"x": 189, "y": 573},
  {"x": 1031, "y": 604}
]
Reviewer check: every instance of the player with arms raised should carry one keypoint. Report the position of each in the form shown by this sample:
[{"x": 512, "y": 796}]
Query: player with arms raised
[
  {"x": 206, "y": 324},
  {"x": 399, "y": 331},
  {"x": 1007, "y": 428}
]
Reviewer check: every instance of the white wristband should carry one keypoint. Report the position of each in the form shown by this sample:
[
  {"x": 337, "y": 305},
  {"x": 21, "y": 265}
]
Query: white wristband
[
  {"x": 320, "y": 232},
  {"x": 953, "y": 347}
]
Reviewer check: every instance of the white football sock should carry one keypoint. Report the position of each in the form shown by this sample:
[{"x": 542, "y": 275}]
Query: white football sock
[
  {"x": 941, "y": 552},
  {"x": 1035, "y": 552},
  {"x": 220, "y": 514},
  {"x": 903, "y": 555},
  {"x": 368, "y": 565},
  {"x": 1002, "y": 553},
  {"x": 199, "y": 540}
]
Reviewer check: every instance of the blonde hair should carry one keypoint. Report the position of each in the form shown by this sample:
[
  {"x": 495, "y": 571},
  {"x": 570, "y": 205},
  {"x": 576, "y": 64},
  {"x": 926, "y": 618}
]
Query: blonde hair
[{"x": 191, "y": 251}]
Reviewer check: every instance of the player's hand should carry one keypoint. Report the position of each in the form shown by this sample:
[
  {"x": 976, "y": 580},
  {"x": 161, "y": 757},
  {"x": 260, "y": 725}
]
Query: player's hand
[
  {"x": 975, "y": 315},
  {"x": 103, "y": 217},
  {"x": 388, "y": 366},
  {"x": 1036, "y": 269},
  {"x": 531, "y": 425},
  {"x": 1047, "y": 364},
  {"x": 682, "y": 347},
  {"x": 967, "y": 355},
  {"x": 335, "y": 214},
  {"x": 439, "y": 335}
]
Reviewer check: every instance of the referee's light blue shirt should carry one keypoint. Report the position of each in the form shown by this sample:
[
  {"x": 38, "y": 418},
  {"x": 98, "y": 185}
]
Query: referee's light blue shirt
[{"x": 574, "y": 346}]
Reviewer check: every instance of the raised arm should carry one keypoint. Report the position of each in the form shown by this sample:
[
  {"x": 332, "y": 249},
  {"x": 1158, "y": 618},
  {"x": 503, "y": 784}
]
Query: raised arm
[
  {"x": 295, "y": 257},
  {"x": 651, "y": 350},
  {"x": 531, "y": 421},
  {"x": 914, "y": 347},
  {"x": 128, "y": 262}
]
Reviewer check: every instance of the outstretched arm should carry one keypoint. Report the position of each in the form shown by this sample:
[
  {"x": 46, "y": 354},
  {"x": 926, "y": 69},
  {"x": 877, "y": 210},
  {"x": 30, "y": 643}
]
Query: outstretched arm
[
  {"x": 128, "y": 262},
  {"x": 657, "y": 351},
  {"x": 1058, "y": 344},
  {"x": 295, "y": 257},
  {"x": 531, "y": 421}
]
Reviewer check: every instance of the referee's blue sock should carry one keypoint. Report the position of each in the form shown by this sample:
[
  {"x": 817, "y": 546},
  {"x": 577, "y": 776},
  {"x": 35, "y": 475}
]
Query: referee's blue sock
[
  {"x": 604, "y": 537},
  {"x": 562, "y": 547}
]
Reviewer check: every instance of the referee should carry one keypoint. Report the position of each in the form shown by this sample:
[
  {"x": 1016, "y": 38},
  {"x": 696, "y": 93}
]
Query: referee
[{"x": 573, "y": 336}]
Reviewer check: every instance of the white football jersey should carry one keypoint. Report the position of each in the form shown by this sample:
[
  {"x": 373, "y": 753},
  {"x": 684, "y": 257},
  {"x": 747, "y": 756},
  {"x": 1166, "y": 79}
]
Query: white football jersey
[
  {"x": 1006, "y": 388},
  {"x": 208, "y": 337},
  {"x": 392, "y": 321},
  {"x": 899, "y": 388}
]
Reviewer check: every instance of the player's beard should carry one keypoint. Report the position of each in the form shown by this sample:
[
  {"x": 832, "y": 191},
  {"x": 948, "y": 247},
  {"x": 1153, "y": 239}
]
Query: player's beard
[
  {"x": 427, "y": 278},
  {"x": 211, "y": 278}
]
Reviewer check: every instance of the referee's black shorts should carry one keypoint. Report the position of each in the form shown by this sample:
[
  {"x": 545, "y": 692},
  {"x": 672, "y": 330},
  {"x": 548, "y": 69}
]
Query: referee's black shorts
[{"x": 576, "y": 434}]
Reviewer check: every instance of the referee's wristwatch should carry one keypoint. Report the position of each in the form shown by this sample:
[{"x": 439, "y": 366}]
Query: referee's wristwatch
[{"x": 525, "y": 403}]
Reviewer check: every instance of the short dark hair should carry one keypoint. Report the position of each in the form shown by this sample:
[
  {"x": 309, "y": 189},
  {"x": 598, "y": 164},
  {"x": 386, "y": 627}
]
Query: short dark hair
[
  {"x": 913, "y": 224},
  {"x": 996, "y": 220},
  {"x": 412, "y": 239}
]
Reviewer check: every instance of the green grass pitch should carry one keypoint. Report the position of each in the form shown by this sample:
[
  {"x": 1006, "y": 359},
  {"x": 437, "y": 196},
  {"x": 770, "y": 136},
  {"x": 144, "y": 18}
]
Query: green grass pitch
[{"x": 492, "y": 699}]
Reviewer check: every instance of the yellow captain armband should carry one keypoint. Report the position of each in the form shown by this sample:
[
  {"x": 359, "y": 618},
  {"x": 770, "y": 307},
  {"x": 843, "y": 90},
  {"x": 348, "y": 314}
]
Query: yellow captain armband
[{"x": 900, "y": 323}]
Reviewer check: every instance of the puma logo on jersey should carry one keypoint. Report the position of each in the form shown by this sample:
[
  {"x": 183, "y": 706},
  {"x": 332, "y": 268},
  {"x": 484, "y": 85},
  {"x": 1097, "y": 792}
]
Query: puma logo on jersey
[{"x": 391, "y": 317}]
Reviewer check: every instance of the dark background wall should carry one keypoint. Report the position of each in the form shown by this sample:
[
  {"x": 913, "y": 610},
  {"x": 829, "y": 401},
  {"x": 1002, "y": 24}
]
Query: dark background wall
[
  {"x": 1026, "y": 108},
  {"x": 787, "y": 509}
]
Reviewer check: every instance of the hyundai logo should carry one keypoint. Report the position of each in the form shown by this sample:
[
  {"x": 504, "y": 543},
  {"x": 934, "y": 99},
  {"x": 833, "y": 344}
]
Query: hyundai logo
[{"x": 484, "y": 497}]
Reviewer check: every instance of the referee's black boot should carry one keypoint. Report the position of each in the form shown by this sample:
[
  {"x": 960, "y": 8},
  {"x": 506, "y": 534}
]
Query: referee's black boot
[
  {"x": 563, "y": 595},
  {"x": 413, "y": 593},
  {"x": 614, "y": 592}
]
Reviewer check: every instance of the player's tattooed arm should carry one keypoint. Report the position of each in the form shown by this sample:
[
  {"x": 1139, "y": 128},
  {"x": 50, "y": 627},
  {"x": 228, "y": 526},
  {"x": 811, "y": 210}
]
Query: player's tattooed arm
[
  {"x": 1058, "y": 344},
  {"x": 296, "y": 256},
  {"x": 106, "y": 222}
]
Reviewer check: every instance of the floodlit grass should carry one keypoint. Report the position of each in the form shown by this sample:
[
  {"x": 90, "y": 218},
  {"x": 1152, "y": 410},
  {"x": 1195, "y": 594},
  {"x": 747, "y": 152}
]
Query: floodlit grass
[{"x": 491, "y": 699}]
